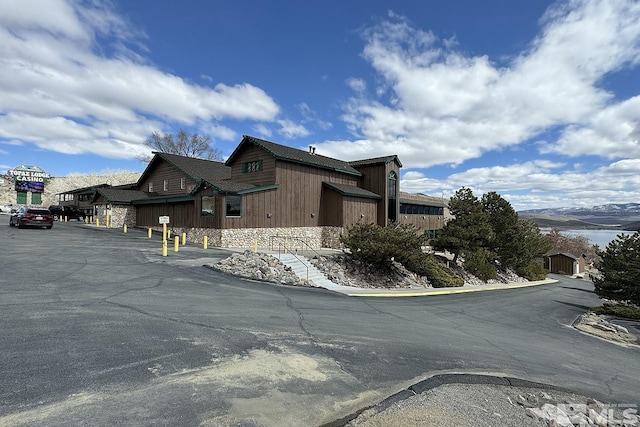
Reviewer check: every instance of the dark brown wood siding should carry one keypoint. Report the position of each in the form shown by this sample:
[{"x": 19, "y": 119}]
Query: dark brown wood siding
[
  {"x": 563, "y": 264},
  {"x": 375, "y": 180},
  {"x": 332, "y": 208},
  {"x": 299, "y": 195},
  {"x": 164, "y": 171},
  {"x": 423, "y": 222},
  {"x": 355, "y": 209},
  {"x": 258, "y": 211},
  {"x": 251, "y": 154}
]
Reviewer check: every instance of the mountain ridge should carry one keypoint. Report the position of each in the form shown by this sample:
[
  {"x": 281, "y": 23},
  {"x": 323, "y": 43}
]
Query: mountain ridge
[{"x": 624, "y": 216}]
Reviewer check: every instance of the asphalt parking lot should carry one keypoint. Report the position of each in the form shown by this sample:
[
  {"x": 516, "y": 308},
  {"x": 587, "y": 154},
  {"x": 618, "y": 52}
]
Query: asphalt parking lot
[{"x": 99, "y": 329}]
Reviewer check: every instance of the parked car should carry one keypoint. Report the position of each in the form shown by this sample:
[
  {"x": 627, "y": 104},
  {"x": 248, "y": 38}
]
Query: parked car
[
  {"x": 31, "y": 217},
  {"x": 70, "y": 212},
  {"x": 6, "y": 208}
]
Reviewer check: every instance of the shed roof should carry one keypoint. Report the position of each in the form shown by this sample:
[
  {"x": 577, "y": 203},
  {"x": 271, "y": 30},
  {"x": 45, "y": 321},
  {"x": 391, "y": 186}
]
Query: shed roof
[
  {"x": 115, "y": 195},
  {"x": 351, "y": 190}
]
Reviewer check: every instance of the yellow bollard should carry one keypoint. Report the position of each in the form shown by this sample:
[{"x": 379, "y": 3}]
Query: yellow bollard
[
  {"x": 205, "y": 242},
  {"x": 169, "y": 234},
  {"x": 66, "y": 219},
  {"x": 86, "y": 220},
  {"x": 97, "y": 222},
  {"x": 184, "y": 239},
  {"x": 164, "y": 232},
  {"x": 176, "y": 244},
  {"x": 255, "y": 246},
  {"x": 149, "y": 232},
  {"x": 164, "y": 248},
  {"x": 124, "y": 228}
]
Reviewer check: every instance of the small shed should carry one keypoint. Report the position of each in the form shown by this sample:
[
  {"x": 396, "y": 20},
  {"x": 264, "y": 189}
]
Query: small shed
[{"x": 564, "y": 263}]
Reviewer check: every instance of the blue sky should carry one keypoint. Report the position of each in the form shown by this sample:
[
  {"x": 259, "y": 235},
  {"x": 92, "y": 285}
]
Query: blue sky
[{"x": 538, "y": 101}]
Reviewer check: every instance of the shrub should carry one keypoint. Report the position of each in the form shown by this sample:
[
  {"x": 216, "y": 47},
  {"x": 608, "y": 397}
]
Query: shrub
[
  {"x": 377, "y": 245},
  {"x": 439, "y": 275},
  {"x": 533, "y": 271},
  {"x": 480, "y": 263},
  {"x": 620, "y": 310}
]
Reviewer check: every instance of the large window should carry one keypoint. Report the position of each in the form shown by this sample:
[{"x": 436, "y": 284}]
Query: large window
[
  {"x": 392, "y": 196},
  {"x": 411, "y": 209},
  {"x": 233, "y": 205},
  {"x": 207, "y": 204}
]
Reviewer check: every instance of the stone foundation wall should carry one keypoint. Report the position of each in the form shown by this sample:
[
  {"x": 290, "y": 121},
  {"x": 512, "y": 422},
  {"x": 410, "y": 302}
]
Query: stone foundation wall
[{"x": 294, "y": 238}]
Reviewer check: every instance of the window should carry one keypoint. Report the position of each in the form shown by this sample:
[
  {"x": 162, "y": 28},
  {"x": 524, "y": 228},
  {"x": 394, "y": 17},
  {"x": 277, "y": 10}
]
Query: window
[
  {"x": 151, "y": 187},
  {"x": 251, "y": 167},
  {"x": 233, "y": 205},
  {"x": 207, "y": 204},
  {"x": 392, "y": 196},
  {"x": 182, "y": 183},
  {"x": 165, "y": 185}
]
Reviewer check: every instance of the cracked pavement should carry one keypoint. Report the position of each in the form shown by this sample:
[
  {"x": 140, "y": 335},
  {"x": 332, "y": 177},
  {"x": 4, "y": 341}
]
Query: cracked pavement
[{"x": 98, "y": 328}]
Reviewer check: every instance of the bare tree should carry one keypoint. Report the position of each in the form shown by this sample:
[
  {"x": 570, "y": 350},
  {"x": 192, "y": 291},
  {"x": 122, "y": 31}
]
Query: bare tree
[{"x": 183, "y": 143}]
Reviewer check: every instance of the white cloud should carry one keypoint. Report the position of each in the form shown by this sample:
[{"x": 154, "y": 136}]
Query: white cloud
[
  {"x": 290, "y": 129},
  {"x": 435, "y": 105},
  {"x": 64, "y": 92},
  {"x": 539, "y": 183}
]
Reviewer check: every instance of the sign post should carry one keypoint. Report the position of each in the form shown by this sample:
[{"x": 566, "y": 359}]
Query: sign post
[{"x": 164, "y": 220}]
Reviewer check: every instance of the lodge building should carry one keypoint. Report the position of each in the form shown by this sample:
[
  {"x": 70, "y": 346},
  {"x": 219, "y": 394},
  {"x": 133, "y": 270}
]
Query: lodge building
[{"x": 264, "y": 193}]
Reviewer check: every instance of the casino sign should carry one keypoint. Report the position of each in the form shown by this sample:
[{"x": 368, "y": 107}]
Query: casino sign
[{"x": 29, "y": 179}]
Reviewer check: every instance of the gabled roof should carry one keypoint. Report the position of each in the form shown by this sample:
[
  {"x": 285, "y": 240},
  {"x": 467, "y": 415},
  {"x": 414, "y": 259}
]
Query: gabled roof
[
  {"x": 115, "y": 195},
  {"x": 573, "y": 256},
  {"x": 376, "y": 161},
  {"x": 351, "y": 190},
  {"x": 282, "y": 152},
  {"x": 216, "y": 174}
]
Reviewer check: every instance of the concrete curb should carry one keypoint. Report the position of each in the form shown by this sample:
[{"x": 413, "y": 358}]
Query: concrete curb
[
  {"x": 395, "y": 293},
  {"x": 443, "y": 379}
]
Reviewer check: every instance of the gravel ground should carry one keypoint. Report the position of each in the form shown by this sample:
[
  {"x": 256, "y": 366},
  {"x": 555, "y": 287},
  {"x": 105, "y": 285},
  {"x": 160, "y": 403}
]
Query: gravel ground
[{"x": 476, "y": 405}]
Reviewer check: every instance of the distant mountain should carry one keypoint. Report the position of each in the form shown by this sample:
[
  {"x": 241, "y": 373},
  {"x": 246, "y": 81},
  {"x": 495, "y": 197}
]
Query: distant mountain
[{"x": 620, "y": 215}]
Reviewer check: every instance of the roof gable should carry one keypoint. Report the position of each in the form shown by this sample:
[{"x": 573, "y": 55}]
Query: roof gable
[
  {"x": 376, "y": 161},
  {"x": 217, "y": 174},
  {"x": 282, "y": 152}
]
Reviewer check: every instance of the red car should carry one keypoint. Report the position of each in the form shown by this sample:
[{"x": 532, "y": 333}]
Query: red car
[{"x": 31, "y": 217}]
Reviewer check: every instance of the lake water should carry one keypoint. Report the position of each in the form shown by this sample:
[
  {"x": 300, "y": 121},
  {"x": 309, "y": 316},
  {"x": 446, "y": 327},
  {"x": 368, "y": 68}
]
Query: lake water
[{"x": 597, "y": 237}]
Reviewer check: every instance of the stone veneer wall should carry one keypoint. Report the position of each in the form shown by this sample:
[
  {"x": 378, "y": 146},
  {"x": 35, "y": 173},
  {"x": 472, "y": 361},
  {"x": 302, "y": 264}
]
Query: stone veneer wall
[
  {"x": 120, "y": 215},
  {"x": 266, "y": 238}
]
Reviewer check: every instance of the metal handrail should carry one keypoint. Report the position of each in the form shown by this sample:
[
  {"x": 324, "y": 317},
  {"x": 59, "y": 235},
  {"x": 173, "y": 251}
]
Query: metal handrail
[
  {"x": 299, "y": 239},
  {"x": 282, "y": 245}
]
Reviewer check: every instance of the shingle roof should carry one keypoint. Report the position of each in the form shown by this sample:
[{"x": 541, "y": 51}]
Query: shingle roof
[
  {"x": 215, "y": 173},
  {"x": 375, "y": 161},
  {"x": 421, "y": 199},
  {"x": 351, "y": 190},
  {"x": 114, "y": 195},
  {"x": 295, "y": 155},
  {"x": 573, "y": 256}
]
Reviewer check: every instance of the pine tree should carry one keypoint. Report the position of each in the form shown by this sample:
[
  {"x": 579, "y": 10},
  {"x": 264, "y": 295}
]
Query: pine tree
[
  {"x": 469, "y": 230},
  {"x": 620, "y": 270}
]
